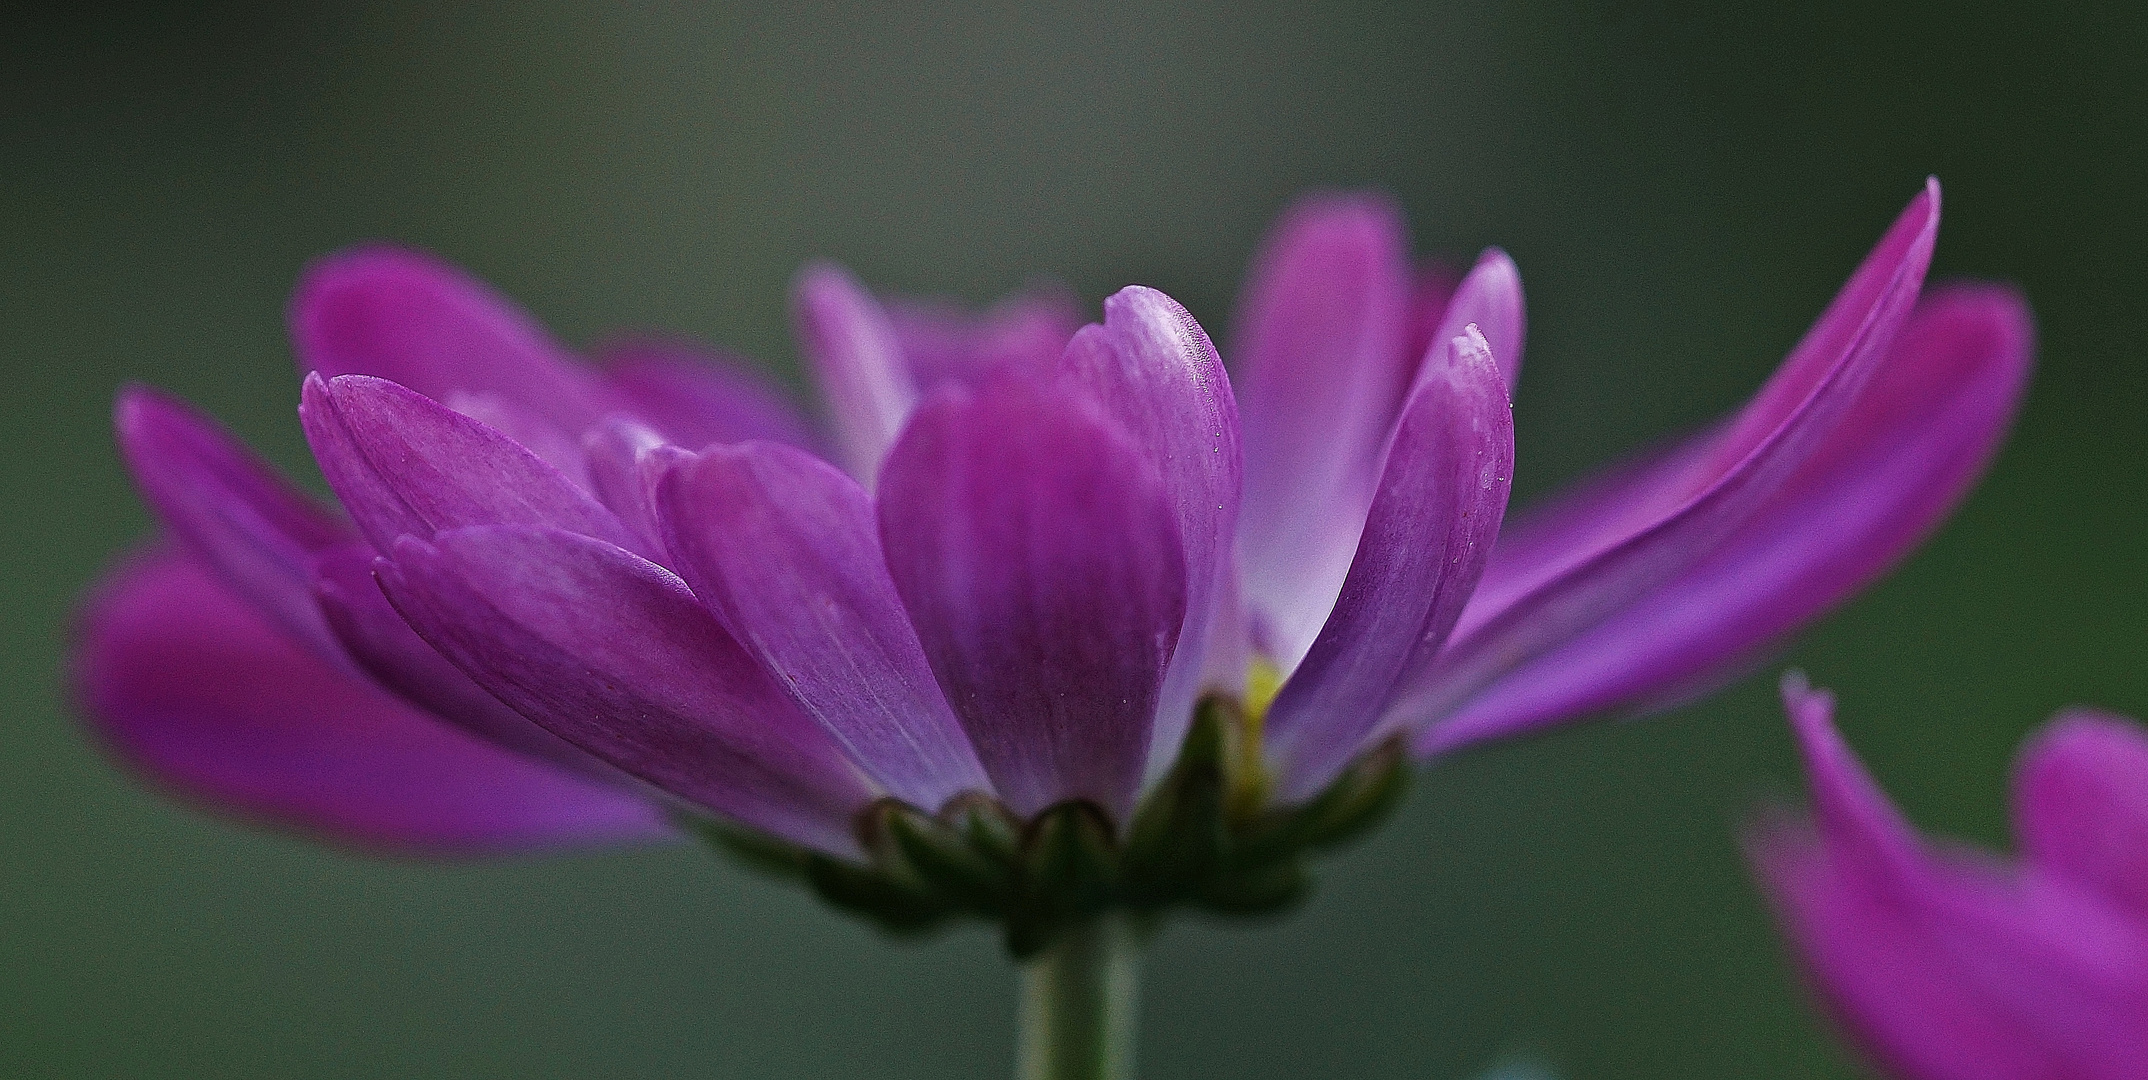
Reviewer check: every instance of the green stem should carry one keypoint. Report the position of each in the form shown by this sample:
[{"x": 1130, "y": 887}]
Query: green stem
[{"x": 1078, "y": 1004}]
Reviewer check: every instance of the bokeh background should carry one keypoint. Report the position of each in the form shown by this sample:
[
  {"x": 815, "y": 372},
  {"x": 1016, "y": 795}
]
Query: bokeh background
[{"x": 1683, "y": 185}]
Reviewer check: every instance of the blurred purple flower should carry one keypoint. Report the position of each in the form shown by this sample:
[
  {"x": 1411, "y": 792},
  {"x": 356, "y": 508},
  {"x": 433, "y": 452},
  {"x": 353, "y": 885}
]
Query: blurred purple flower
[
  {"x": 1948, "y": 964},
  {"x": 564, "y": 595}
]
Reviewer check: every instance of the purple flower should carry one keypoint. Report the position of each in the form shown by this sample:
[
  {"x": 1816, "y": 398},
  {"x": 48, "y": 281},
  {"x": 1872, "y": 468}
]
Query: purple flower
[
  {"x": 1949, "y": 964},
  {"x": 562, "y": 597}
]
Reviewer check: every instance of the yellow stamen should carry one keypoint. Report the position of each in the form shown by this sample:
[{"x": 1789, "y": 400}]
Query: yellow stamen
[{"x": 1248, "y": 760}]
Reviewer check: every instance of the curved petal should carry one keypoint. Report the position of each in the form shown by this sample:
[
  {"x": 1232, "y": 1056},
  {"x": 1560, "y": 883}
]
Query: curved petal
[
  {"x": 1489, "y": 298},
  {"x": 1035, "y": 549},
  {"x": 2081, "y": 804},
  {"x": 1152, "y": 368},
  {"x": 1319, "y": 347},
  {"x": 230, "y": 509},
  {"x": 784, "y": 548},
  {"x": 1660, "y": 534},
  {"x": 942, "y": 342},
  {"x": 417, "y": 321},
  {"x": 613, "y": 654},
  {"x": 404, "y": 464},
  {"x": 184, "y": 680},
  {"x": 855, "y": 355},
  {"x": 1909, "y": 450},
  {"x": 1431, "y": 526},
  {"x": 393, "y": 655},
  {"x": 696, "y": 396}
]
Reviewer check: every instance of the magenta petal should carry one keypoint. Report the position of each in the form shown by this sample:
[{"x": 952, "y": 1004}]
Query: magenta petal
[
  {"x": 416, "y": 321},
  {"x": 1654, "y": 536},
  {"x": 2081, "y": 804},
  {"x": 858, "y": 360},
  {"x": 1918, "y": 436},
  {"x": 1941, "y": 962},
  {"x": 696, "y": 396},
  {"x": 191, "y": 685},
  {"x": 1431, "y": 526},
  {"x": 231, "y": 510},
  {"x": 626, "y": 459},
  {"x": 1035, "y": 549},
  {"x": 1152, "y": 368},
  {"x": 388, "y": 650},
  {"x": 784, "y": 548},
  {"x": 1490, "y": 299},
  {"x": 405, "y": 464},
  {"x": 613, "y": 654},
  {"x": 1319, "y": 348},
  {"x": 942, "y": 342}
]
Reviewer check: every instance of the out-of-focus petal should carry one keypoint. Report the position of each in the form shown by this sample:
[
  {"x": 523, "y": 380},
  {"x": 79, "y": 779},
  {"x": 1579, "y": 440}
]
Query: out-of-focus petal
[
  {"x": 785, "y": 549},
  {"x": 1151, "y": 367},
  {"x": 1035, "y": 548},
  {"x": 389, "y": 651},
  {"x": 613, "y": 654},
  {"x": 403, "y": 464},
  {"x": 1431, "y": 526},
  {"x": 2081, "y": 805},
  {"x": 1942, "y": 962},
  {"x": 414, "y": 320},
  {"x": 1436, "y": 283},
  {"x": 1879, "y": 973},
  {"x": 1655, "y": 536},
  {"x": 1319, "y": 347},
  {"x": 855, "y": 355},
  {"x": 230, "y": 509},
  {"x": 696, "y": 396},
  {"x": 942, "y": 342},
  {"x": 1912, "y": 445},
  {"x": 185, "y": 680}
]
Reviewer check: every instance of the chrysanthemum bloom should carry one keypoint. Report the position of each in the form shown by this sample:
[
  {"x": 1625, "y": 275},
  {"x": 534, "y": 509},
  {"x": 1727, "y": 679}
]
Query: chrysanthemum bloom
[
  {"x": 1947, "y": 963},
  {"x": 1067, "y": 628}
]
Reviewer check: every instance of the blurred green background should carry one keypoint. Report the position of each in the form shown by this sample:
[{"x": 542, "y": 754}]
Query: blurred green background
[{"x": 1684, "y": 186}]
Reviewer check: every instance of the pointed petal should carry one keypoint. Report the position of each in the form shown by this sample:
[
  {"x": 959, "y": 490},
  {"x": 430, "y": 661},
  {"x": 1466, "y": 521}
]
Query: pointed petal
[
  {"x": 393, "y": 655},
  {"x": 1430, "y": 529},
  {"x": 1909, "y": 450},
  {"x": 1319, "y": 347},
  {"x": 784, "y": 548},
  {"x": 1665, "y": 532},
  {"x": 405, "y": 464},
  {"x": 1152, "y": 368},
  {"x": 613, "y": 654},
  {"x": 416, "y": 321},
  {"x": 187, "y": 682},
  {"x": 1035, "y": 549},
  {"x": 696, "y": 396},
  {"x": 230, "y": 509},
  {"x": 855, "y": 355},
  {"x": 2081, "y": 804}
]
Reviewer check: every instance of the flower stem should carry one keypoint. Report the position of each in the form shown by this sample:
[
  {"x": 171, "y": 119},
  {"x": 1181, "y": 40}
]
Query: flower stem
[{"x": 1079, "y": 999}]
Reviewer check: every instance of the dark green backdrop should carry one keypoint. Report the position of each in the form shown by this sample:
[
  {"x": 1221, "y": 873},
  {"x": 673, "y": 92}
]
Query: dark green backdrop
[{"x": 1683, "y": 188}]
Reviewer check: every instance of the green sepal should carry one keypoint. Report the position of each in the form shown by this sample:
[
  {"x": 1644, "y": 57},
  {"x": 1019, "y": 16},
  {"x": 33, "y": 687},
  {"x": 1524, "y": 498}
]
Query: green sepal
[
  {"x": 1180, "y": 832},
  {"x": 1269, "y": 889},
  {"x": 755, "y": 850},
  {"x": 945, "y": 862},
  {"x": 1359, "y": 800},
  {"x": 896, "y": 905},
  {"x": 1070, "y": 873}
]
